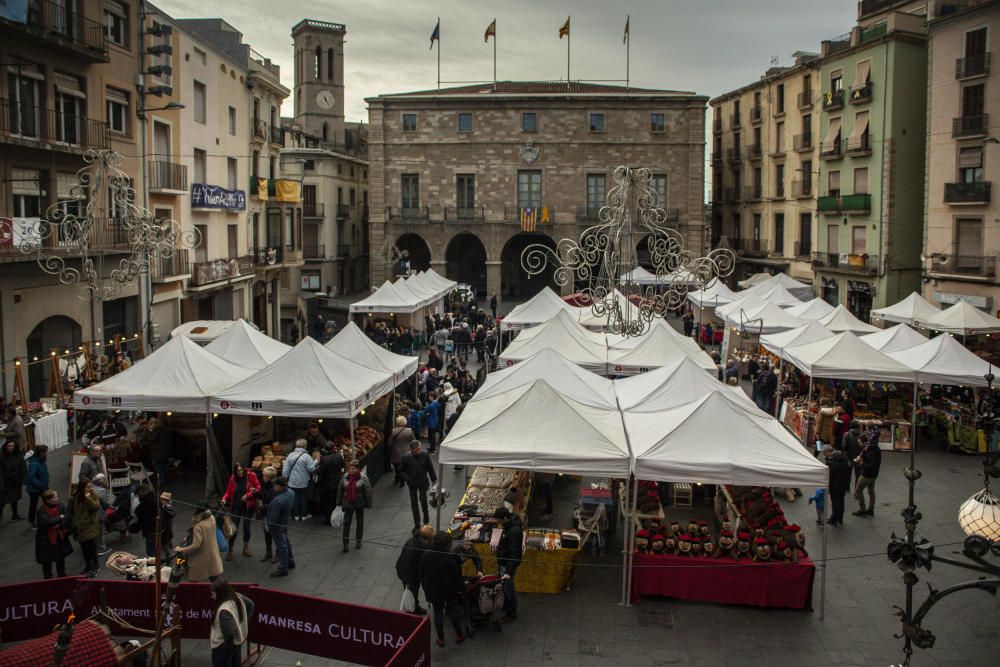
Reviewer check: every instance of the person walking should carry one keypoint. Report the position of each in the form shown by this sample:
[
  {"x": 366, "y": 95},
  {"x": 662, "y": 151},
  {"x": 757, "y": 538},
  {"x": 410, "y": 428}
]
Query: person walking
[
  {"x": 408, "y": 563},
  {"x": 266, "y": 495},
  {"x": 417, "y": 471},
  {"x": 279, "y": 513},
  {"x": 230, "y": 624},
  {"x": 83, "y": 509},
  {"x": 13, "y": 473},
  {"x": 433, "y": 418},
  {"x": 441, "y": 579},
  {"x": 145, "y": 517},
  {"x": 839, "y": 483},
  {"x": 851, "y": 445},
  {"x": 202, "y": 549},
  {"x": 493, "y": 305},
  {"x": 240, "y": 500},
  {"x": 161, "y": 448},
  {"x": 509, "y": 552},
  {"x": 14, "y": 429},
  {"x": 37, "y": 479},
  {"x": 52, "y": 543},
  {"x": 329, "y": 472},
  {"x": 167, "y": 515},
  {"x": 767, "y": 385},
  {"x": 452, "y": 401},
  {"x": 93, "y": 465},
  {"x": 869, "y": 463},
  {"x": 354, "y": 497},
  {"x": 298, "y": 470},
  {"x": 399, "y": 443}
]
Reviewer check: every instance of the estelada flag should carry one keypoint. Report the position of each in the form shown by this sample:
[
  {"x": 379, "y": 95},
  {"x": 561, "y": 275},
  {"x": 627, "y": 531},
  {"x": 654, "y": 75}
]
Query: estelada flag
[
  {"x": 564, "y": 31},
  {"x": 491, "y": 31},
  {"x": 529, "y": 218}
]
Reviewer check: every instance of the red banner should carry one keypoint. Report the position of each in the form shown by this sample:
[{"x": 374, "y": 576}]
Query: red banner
[
  {"x": 32, "y": 609},
  {"x": 416, "y": 652}
]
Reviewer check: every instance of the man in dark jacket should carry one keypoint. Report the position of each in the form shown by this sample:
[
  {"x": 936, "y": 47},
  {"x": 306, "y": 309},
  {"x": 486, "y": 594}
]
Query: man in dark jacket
[
  {"x": 850, "y": 444},
  {"x": 869, "y": 463},
  {"x": 417, "y": 470},
  {"x": 329, "y": 470},
  {"x": 767, "y": 385},
  {"x": 279, "y": 513},
  {"x": 314, "y": 438},
  {"x": 408, "y": 563},
  {"x": 145, "y": 517},
  {"x": 509, "y": 552},
  {"x": 840, "y": 482},
  {"x": 441, "y": 579}
]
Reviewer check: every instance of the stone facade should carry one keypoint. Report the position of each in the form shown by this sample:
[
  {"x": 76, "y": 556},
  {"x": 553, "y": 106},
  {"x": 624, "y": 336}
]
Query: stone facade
[{"x": 480, "y": 138}]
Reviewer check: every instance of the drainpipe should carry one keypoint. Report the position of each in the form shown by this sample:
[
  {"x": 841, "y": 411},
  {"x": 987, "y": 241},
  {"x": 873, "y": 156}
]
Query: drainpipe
[{"x": 883, "y": 247}]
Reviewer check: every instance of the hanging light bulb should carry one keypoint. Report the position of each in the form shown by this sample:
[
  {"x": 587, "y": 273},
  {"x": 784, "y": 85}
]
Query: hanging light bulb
[{"x": 980, "y": 515}]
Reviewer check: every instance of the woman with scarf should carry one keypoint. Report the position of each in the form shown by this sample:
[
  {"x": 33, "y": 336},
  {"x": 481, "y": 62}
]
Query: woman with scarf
[
  {"x": 354, "y": 496},
  {"x": 52, "y": 543}
]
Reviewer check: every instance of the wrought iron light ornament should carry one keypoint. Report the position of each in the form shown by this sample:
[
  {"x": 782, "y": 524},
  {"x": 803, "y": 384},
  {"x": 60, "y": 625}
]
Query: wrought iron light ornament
[
  {"x": 606, "y": 252},
  {"x": 101, "y": 214}
]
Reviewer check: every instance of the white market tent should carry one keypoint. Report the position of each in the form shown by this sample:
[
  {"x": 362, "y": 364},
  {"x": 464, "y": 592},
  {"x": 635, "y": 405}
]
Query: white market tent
[
  {"x": 911, "y": 309},
  {"x": 564, "y": 335},
  {"x": 566, "y": 321},
  {"x": 622, "y": 342},
  {"x": 962, "y": 318},
  {"x": 810, "y": 332},
  {"x": 435, "y": 278},
  {"x": 202, "y": 331},
  {"x": 894, "y": 339},
  {"x": 845, "y": 357},
  {"x": 655, "y": 348},
  {"x": 352, "y": 343},
  {"x": 180, "y": 376},
  {"x": 388, "y": 299},
  {"x": 595, "y": 322},
  {"x": 538, "y": 309},
  {"x": 562, "y": 375},
  {"x": 716, "y": 293},
  {"x": 419, "y": 285},
  {"x": 801, "y": 291},
  {"x": 841, "y": 320},
  {"x": 745, "y": 303},
  {"x": 308, "y": 381},
  {"x": 943, "y": 360},
  {"x": 716, "y": 440},
  {"x": 813, "y": 309},
  {"x": 768, "y": 318},
  {"x": 534, "y": 427},
  {"x": 672, "y": 385},
  {"x": 776, "y": 294},
  {"x": 244, "y": 345},
  {"x": 641, "y": 276},
  {"x": 754, "y": 280}
]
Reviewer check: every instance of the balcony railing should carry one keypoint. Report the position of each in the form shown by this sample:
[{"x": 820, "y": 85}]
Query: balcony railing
[
  {"x": 734, "y": 120},
  {"x": 67, "y": 28},
  {"x": 967, "y": 193},
  {"x": 972, "y": 125},
  {"x": 512, "y": 214},
  {"x": 802, "y": 142},
  {"x": 717, "y": 124},
  {"x": 265, "y": 256},
  {"x": 259, "y": 128},
  {"x": 173, "y": 267},
  {"x": 833, "y": 100},
  {"x": 862, "y": 94},
  {"x": 35, "y": 123},
  {"x": 106, "y": 235},
  {"x": 277, "y": 135},
  {"x": 844, "y": 204},
  {"x": 464, "y": 214},
  {"x": 859, "y": 146},
  {"x": 344, "y": 250},
  {"x": 753, "y": 247},
  {"x": 778, "y": 149},
  {"x": 972, "y": 66},
  {"x": 216, "y": 270},
  {"x": 805, "y": 99},
  {"x": 831, "y": 150},
  {"x": 965, "y": 264},
  {"x": 836, "y": 44},
  {"x": 756, "y": 114},
  {"x": 861, "y": 263},
  {"x": 418, "y": 214},
  {"x": 314, "y": 251},
  {"x": 165, "y": 175},
  {"x": 872, "y": 32},
  {"x": 802, "y": 189},
  {"x": 753, "y": 193},
  {"x": 311, "y": 209},
  {"x": 754, "y": 151},
  {"x": 733, "y": 154}
]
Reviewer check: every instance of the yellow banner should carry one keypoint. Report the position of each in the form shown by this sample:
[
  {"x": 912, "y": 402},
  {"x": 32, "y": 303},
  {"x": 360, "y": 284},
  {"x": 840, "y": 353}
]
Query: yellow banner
[
  {"x": 286, "y": 190},
  {"x": 262, "y": 189}
]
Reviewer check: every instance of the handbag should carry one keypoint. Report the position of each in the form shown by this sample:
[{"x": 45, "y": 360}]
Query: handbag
[
  {"x": 228, "y": 527},
  {"x": 221, "y": 540},
  {"x": 408, "y": 603},
  {"x": 337, "y": 517}
]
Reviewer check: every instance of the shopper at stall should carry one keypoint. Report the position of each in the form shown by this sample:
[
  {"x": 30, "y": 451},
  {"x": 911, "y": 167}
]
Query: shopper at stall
[
  {"x": 408, "y": 563},
  {"x": 14, "y": 428},
  {"x": 266, "y": 495},
  {"x": 37, "y": 480},
  {"x": 417, "y": 471},
  {"x": 354, "y": 497},
  {"x": 230, "y": 624},
  {"x": 452, "y": 401},
  {"x": 202, "y": 547},
  {"x": 869, "y": 462},
  {"x": 847, "y": 403},
  {"x": 52, "y": 543},
  {"x": 13, "y": 474},
  {"x": 839, "y": 483},
  {"x": 102, "y": 490},
  {"x": 314, "y": 438},
  {"x": 732, "y": 372},
  {"x": 93, "y": 464},
  {"x": 399, "y": 443},
  {"x": 240, "y": 500},
  {"x": 83, "y": 510},
  {"x": 433, "y": 417},
  {"x": 298, "y": 470},
  {"x": 145, "y": 517},
  {"x": 329, "y": 471},
  {"x": 509, "y": 552},
  {"x": 167, "y": 515},
  {"x": 851, "y": 446},
  {"x": 279, "y": 513},
  {"x": 767, "y": 385},
  {"x": 441, "y": 579}
]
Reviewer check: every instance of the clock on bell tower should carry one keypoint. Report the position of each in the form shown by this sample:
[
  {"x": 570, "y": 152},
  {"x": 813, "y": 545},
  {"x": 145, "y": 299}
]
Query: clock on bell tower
[{"x": 319, "y": 78}]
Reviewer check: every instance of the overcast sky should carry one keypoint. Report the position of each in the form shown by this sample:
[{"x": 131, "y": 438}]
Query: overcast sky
[{"x": 706, "y": 46}]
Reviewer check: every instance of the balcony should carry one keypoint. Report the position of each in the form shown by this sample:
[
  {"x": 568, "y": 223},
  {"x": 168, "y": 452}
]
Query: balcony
[
  {"x": 734, "y": 120},
  {"x": 265, "y": 256},
  {"x": 859, "y": 147},
  {"x": 753, "y": 247},
  {"x": 831, "y": 150},
  {"x": 845, "y": 204},
  {"x": 972, "y": 125},
  {"x": 779, "y": 149},
  {"x": 966, "y": 68},
  {"x": 313, "y": 252},
  {"x": 106, "y": 236},
  {"x": 833, "y": 100},
  {"x": 967, "y": 193},
  {"x": 802, "y": 142},
  {"x": 512, "y": 214},
  {"x": 753, "y": 193},
  {"x": 167, "y": 177},
  {"x": 22, "y": 123},
  {"x": 344, "y": 210},
  {"x": 407, "y": 215},
  {"x": 805, "y": 99},
  {"x": 259, "y": 128},
  {"x": 175, "y": 267},
  {"x": 717, "y": 124},
  {"x": 828, "y": 47},
  {"x": 754, "y": 151},
  {"x": 218, "y": 270},
  {"x": 863, "y": 263},
  {"x": 733, "y": 154},
  {"x": 803, "y": 249},
  {"x": 64, "y": 29},
  {"x": 277, "y": 135},
  {"x": 343, "y": 250},
  {"x": 311, "y": 209},
  {"x": 965, "y": 265},
  {"x": 756, "y": 114},
  {"x": 872, "y": 32},
  {"x": 464, "y": 214},
  {"x": 802, "y": 189},
  {"x": 862, "y": 94}
]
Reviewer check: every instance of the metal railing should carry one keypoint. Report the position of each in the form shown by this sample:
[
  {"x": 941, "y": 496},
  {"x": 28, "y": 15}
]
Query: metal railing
[
  {"x": 802, "y": 248},
  {"x": 166, "y": 175},
  {"x": 717, "y": 157},
  {"x": 732, "y": 195},
  {"x": 860, "y": 146},
  {"x": 464, "y": 214},
  {"x": 418, "y": 214},
  {"x": 178, "y": 264},
  {"x": 860, "y": 263},
  {"x": 216, "y": 270},
  {"x": 754, "y": 151},
  {"x": 733, "y": 154},
  {"x": 717, "y": 124},
  {"x": 734, "y": 120},
  {"x": 971, "y": 125},
  {"x": 259, "y": 128},
  {"x": 977, "y": 65},
  {"x": 753, "y": 192},
  {"x": 65, "y": 25},
  {"x": 802, "y": 142},
  {"x": 31, "y": 122},
  {"x": 344, "y": 210},
  {"x": 316, "y": 251},
  {"x": 831, "y": 150},
  {"x": 836, "y": 44},
  {"x": 844, "y": 203},
  {"x": 266, "y": 255},
  {"x": 862, "y": 94},
  {"x": 277, "y": 135},
  {"x": 105, "y": 235},
  {"x": 967, "y": 193},
  {"x": 833, "y": 100},
  {"x": 754, "y": 247},
  {"x": 805, "y": 99},
  {"x": 802, "y": 189},
  {"x": 872, "y": 32},
  {"x": 983, "y": 265},
  {"x": 756, "y": 114},
  {"x": 311, "y": 209}
]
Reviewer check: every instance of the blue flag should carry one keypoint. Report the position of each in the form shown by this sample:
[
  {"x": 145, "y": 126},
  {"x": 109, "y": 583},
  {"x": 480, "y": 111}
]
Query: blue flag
[
  {"x": 436, "y": 35},
  {"x": 16, "y": 11}
]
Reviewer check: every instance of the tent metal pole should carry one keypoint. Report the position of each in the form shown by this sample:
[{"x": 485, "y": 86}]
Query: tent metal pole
[
  {"x": 777, "y": 397},
  {"x": 913, "y": 418},
  {"x": 350, "y": 423},
  {"x": 629, "y": 545},
  {"x": 805, "y": 432},
  {"x": 822, "y": 578},
  {"x": 437, "y": 516}
]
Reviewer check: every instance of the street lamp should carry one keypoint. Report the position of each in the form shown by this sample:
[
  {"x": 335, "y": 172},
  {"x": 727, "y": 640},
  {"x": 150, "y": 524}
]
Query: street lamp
[{"x": 170, "y": 106}]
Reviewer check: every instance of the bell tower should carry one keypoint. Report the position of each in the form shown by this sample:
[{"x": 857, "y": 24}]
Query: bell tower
[{"x": 319, "y": 79}]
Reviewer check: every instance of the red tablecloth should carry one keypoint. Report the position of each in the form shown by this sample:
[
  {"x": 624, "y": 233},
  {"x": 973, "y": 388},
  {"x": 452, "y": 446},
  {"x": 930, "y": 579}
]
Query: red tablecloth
[{"x": 787, "y": 585}]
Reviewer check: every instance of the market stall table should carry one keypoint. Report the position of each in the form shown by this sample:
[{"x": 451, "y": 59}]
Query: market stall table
[
  {"x": 52, "y": 430},
  {"x": 785, "y": 585}
]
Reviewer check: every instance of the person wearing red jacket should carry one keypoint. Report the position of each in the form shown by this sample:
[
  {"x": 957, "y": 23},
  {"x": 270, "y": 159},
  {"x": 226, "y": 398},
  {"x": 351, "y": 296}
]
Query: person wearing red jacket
[{"x": 240, "y": 500}]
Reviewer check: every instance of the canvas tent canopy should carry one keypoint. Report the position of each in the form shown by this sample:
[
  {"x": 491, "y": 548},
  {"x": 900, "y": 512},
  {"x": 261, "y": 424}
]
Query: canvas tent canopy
[
  {"x": 670, "y": 386},
  {"x": 845, "y": 357},
  {"x": 745, "y": 303},
  {"x": 537, "y": 310},
  {"x": 813, "y": 309},
  {"x": 561, "y": 374},
  {"x": 841, "y": 320},
  {"x": 561, "y": 333},
  {"x": 768, "y": 318},
  {"x": 754, "y": 280},
  {"x": 244, "y": 345},
  {"x": 800, "y": 290},
  {"x": 912, "y": 309},
  {"x": 655, "y": 348},
  {"x": 308, "y": 381},
  {"x": 810, "y": 332},
  {"x": 641, "y": 276},
  {"x": 180, "y": 376},
  {"x": 943, "y": 360},
  {"x": 776, "y": 294},
  {"x": 962, "y": 318},
  {"x": 716, "y": 293},
  {"x": 202, "y": 331},
  {"x": 599, "y": 322},
  {"x": 894, "y": 339},
  {"x": 352, "y": 343},
  {"x": 622, "y": 342},
  {"x": 388, "y": 299}
]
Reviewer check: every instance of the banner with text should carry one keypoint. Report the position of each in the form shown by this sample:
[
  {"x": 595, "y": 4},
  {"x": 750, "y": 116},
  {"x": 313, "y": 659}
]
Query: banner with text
[{"x": 213, "y": 196}]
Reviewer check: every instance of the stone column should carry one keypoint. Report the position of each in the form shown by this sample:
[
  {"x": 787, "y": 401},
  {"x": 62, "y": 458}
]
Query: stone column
[
  {"x": 494, "y": 281},
  {"x": 8, "y": 337}
]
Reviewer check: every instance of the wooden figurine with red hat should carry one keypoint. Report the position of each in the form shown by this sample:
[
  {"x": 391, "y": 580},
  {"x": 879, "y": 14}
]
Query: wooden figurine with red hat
[
  {"x": 743, "y": 545},
  {"x": 642, "y": 541},
  {"x": 684, "y": 545},
  {"x": 696, "y": 547},
  {"x": 727, "y": 545},
  {"x": 762, "y": 549},
  {"x": 785, "y": 552},
  {"x": 657, "y": 544}
]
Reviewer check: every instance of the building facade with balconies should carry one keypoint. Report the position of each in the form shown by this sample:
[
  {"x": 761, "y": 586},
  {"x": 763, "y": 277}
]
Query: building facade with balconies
[
  {"x": 764, "y": 202},
  {"x": 961, "y": 236},
  {"x": 464, "y": 178}
]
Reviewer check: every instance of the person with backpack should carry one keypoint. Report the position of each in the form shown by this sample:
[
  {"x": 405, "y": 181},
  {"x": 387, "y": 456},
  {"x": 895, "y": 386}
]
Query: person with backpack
[
  {"x": 441, "y": 579},
  {"x": 38, "y": 479},
  {"x": 767, "y": 385},
  {"x": 399, "y": 443},
  {"x": 869, "y": 462}
]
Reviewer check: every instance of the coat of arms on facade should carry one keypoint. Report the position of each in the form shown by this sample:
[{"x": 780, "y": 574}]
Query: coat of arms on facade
[{"x": 528, "y": 152}]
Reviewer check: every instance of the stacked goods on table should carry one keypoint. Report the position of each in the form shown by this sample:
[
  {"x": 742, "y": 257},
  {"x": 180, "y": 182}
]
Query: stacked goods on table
[
  {"x": 543, "y": 539},
  {"x": 765, "y": 518},
  {"x": 488, "y": 490},
  {"x": 366, "y": 439},
  {"x": 694, "y": 540},
  {"x": 270, "y": 455}
]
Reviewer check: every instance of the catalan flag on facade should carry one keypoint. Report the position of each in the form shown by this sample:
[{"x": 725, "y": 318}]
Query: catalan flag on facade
[{"x": 529, "y": 219}]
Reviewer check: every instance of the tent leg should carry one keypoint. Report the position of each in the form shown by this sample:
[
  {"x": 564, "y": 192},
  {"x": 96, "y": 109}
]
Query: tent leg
[
  {"x": 629, "y": 546},
  {"x": 777, "y": 397},
  {"x": 805, "y": 432},
  {"x": 822, "y": 577},
  {"x": 353, "y": 450},
  {"x": 437, "y": 515}
]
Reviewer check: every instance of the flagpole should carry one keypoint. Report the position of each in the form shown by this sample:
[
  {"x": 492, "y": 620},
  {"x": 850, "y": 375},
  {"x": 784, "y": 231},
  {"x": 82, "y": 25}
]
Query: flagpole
[
  {"x": 439, "y": 54},
  {"x": 494, "y": 55},
  {"x": 569, "y": 36},
  {"x": 628, "y": 47}
]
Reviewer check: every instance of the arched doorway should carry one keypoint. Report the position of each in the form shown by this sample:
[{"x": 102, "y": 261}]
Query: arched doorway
[
  {"x": 466, "y": 261},
  {"x": 56, "y": 332},
  {"x": 514, "y": 280},
  {"x": 416, "y": 250}
]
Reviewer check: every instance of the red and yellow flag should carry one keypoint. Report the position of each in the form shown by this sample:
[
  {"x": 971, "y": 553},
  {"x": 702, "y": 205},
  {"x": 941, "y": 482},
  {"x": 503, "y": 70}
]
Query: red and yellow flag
[
  {"x": 491, "y": 31},
  {"x": 564, "y": 31}
]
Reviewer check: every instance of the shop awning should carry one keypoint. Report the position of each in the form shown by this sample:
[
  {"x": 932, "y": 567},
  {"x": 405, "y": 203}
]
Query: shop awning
[
  {"x": 962, "y": 318},
  {"x": 832, "y": 134},
  {"x": 813, "y": 309},
  {"x": 352, "y": 343},
  {"x": 810, "y": 332},
  {"x": 841, "y": 319},
  {"x": 858, "y": 132},
  {"x": 944, "y": 360},
  {"x": 894, "y": 339},
  {"x": 244, "y": 345},
  {"x": 672, "y": 385},
  {"x": 846, "y": 357},
  {"x": 911, "y": 309},
  {"x": 561, "y": 374},
  {"x": 537, "y": 310}
]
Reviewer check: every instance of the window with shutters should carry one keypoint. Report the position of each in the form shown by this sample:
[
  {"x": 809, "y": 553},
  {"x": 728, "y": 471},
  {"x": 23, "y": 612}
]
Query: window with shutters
[
  {"x": 780, "y": 98},
  {"x": 200, "y": 103},
  {"x": 409, "y": 122},
  {"x": 200, "y": 158},
  {"x": 779, "y": 181},
  {"x": 657, "y": 122},
  {"x": 231, "y": 173},
  {"x": 805, "y": 234},
  {"x": 465, "y": 195},
  {"x": 116, "y": 22},
  {"x": 832, "y": 239},
  {"x": 756, "y": 227},
  {"x": 465, "y": 122},
  {"x": 659, "y": 186},
  {"x": 970, "y": 164},
  {"x": 596, "y": 190},
  {"x": 859, "y": 240},
  {"x": 758, "y": 183},
  {"x": 968, "y": 243},
  {"x": 597, "y": 122},
  {"x": 232, "y": 241},
  {"x": 232, "y": 121},
  {"x": 201, "y": 250},
  {"x": 779, "y": 138},
  {"x": 117, "y": 103},
  {"x": 972, "y": 100},
  {"x": 861, "y": 181},
  {"x": 833, "y": 184},
  {"x": 529, "y": 121}
]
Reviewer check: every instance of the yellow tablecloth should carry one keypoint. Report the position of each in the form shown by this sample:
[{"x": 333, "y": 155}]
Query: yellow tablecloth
[{"x": 539, "y": 572}]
